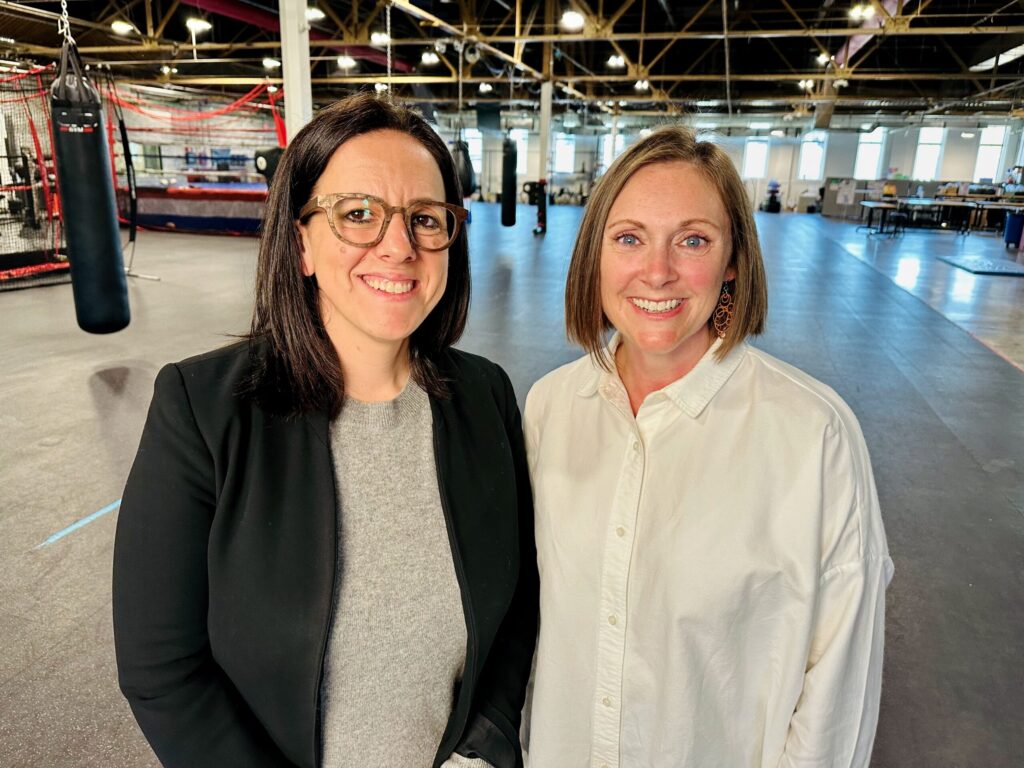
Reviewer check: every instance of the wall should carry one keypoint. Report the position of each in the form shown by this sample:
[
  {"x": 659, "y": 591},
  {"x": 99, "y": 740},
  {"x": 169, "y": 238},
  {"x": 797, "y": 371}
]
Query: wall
[{"x": 840, "y": 154}]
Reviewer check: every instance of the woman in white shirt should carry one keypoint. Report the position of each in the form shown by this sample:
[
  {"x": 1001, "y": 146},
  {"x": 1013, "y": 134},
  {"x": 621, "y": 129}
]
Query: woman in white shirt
[{"x": 712, "y": 558}]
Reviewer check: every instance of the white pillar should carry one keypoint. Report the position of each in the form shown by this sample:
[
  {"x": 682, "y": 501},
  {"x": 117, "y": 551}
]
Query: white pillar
[
  {"x": 545, "y": 130},
  {"x": 298, "y": 91}
]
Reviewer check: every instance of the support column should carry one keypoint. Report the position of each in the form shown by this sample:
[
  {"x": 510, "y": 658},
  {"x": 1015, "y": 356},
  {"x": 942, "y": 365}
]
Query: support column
[
  {"x": 545, "y": 130},
  {"x": 298, "y": 89}
]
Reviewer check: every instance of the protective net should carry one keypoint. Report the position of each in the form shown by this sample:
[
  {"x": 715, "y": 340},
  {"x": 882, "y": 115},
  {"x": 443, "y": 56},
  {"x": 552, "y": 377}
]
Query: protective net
[{"x": 32, "y": 247}]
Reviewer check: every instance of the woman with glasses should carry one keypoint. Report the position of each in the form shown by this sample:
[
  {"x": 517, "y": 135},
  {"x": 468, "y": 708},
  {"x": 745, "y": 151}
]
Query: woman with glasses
[{"x": 324, "y": 552}]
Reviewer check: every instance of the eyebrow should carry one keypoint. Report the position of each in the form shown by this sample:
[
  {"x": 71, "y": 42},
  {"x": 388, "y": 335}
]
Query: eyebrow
[{"x": 686, "y": 223}]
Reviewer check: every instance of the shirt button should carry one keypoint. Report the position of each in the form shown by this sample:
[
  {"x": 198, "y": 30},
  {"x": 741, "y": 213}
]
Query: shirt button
[
  {"x": 636, "y": 445},
  {"x": 606, "y": 701},
  {"x": 620, "y": 531},
  {"x": 613, "y": 619}
]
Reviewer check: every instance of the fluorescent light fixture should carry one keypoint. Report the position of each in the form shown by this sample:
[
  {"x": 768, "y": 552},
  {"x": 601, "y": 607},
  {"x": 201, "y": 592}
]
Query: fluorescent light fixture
[
  {"x": 121, "y": 27},
  {"x": 269, "y": 63},
  {"x": 314, "y": 14},
  {"x": 380, "y": 87},
  {"x": 760, "y": 126},
  {"x": 778, "y": 133},
  {"x": 1003, "y": 58},
  {"x": 486, "y": 87},
  {"x": 271, "y": 89},
  {"x": 642, "y": 85},
  {"x": 616, "y": 62},
  {"x": 380, "y": 38},
  {"x": 429, "y": 58},
  {"x": 966, "y": 135},
  {"x": 346, "y": 62},
  {"x": 197, "y": 26},
  {"x": 572, "y": 21}
]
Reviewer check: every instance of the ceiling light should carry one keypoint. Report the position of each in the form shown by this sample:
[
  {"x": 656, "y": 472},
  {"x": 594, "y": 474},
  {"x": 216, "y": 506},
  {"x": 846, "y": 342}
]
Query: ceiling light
[
  {"x": 197, "y": 26},
  {"x": 346, "y": 62},
  {"x": 121, "y": 27},
  {"x": 314, "y": 14},
  {"x": 1003, "y": 58},
  {"x": 805, "y": 85},
  {"x": 642, "y": 85},
  {"x": 271, "y": 89},
  {"x": 824, "y": 58},
  {"x": 486, "y": 87},
  {"x": 472, "y": 54},
  {"x": 966, "y": 135},
  {"x": 572, "y": 21},
  {"x": 429, "y": 58},
  {"x": 868, "y": 12},
  {"x": 380, "y": 87},
  {"x": 622, "y": 102},
  {"x": 165, "y": 69},
  {"x": 616, "y": 62},
  {"x": 269, "y": 63},
  {"x": 842, "y": 82},
  {"x": 778, "y": 133},
  {"x": 380, "y": 38}
]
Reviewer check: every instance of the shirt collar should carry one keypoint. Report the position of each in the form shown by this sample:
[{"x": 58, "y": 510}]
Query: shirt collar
[{"x": 691, "y": 393}]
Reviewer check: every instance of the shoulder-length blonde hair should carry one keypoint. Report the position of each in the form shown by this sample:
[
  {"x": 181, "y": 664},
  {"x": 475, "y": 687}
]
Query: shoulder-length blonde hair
[{"x": 585, "y": 320}]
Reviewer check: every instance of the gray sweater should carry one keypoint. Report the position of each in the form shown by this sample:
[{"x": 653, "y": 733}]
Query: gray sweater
[{"x": 397, "y": 644}]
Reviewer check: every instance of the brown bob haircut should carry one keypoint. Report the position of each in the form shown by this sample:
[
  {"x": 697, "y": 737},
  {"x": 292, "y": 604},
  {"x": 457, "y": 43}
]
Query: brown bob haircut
[
  {"x": 585, "y": 320},
  {"x": 296, "y": 368}
]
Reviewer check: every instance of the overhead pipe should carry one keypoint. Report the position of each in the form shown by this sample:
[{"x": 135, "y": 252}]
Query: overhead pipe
[{"x": 264, "y": 19}]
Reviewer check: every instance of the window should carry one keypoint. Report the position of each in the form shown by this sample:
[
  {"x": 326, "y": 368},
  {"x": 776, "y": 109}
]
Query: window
[
  {"x": 987, "y": 164},
  {"x": 565, "y": 153},
  {"x": 520, "y": 137},
  {"x": 608, "y": 152},
  {"x": 475, "y": 141},
  {"x": 755, "y": 158},
  {"x": 929, "y": 152},
  {"x": 812, "y": 155},
  {"x": 869, "y": 155}
]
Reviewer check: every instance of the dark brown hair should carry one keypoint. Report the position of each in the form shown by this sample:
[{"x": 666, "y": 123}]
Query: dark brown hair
[
  {"x": 296, "y": 368},
  {"x": 585, "y": 319}
]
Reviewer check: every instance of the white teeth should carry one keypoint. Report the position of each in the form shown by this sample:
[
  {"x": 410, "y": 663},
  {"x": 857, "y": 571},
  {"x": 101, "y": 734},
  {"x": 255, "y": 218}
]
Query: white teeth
[
  {"x": 656, "y": 306},
  {"x": 390, "y": 286}
]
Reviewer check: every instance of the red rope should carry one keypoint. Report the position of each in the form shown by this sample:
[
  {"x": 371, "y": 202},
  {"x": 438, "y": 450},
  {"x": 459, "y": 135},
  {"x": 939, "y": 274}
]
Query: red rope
[
  {"x": 192, "y": 116},
  {"x": 279, "y": 126}
]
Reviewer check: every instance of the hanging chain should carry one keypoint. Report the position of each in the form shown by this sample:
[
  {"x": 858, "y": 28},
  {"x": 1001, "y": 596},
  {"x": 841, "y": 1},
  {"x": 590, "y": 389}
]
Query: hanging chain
[
  {"x": 64, "y": 24},
  {"x": 387, "y": 16}
]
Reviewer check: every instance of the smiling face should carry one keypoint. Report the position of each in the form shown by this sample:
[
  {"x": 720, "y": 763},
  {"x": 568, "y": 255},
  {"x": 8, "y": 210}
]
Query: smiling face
[
  {"x": 378, "y": 295},
  {"x": 666, "y": 250}
]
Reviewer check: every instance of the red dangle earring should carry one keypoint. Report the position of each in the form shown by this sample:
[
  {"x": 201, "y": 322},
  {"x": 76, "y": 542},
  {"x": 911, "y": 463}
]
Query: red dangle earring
[{"x": 723, "y": 312}]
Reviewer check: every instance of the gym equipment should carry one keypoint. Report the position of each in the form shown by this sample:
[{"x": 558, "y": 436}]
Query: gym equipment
[
  {"x": 509, "y": 191},
  {"x": 87, "y": 198},
  {"x": 266, "y": 162},
  {"x": 536, "y": 192},
  {"x": 464, "y": 167}
]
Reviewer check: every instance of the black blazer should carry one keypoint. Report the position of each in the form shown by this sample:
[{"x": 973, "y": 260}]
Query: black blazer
[{"x": 224, "y": 568}]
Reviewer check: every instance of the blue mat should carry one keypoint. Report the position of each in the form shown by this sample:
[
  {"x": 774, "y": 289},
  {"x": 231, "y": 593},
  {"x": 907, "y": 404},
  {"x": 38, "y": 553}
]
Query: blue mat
[{"x": 981, "y": 265}]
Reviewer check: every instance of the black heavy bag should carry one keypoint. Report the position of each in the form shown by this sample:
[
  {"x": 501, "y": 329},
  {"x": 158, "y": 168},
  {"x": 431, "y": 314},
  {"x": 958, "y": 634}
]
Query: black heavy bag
[
  {"x": 509, "y": 188},
  {"x": 464, "y": 168},
  {"x": 267, "y": 161},
  {"x": 87, "y": 199}
]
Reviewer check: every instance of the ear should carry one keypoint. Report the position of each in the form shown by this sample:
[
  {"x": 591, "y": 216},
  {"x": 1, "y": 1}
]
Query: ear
[
  {"x": 730, "y": 273},
  {"x": 305, "y": 249}
]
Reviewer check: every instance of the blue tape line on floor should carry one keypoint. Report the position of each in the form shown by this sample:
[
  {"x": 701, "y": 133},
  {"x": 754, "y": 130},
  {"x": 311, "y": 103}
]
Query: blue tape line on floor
[{"x": 80, "y": 523}]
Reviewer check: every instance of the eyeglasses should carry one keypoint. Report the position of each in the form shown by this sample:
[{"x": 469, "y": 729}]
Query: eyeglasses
[{"x": 361, "y": 220}]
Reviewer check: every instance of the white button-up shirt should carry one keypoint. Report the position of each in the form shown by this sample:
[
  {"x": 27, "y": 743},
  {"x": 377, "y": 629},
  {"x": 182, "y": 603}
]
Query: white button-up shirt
[{"x": 713, "y": 571}]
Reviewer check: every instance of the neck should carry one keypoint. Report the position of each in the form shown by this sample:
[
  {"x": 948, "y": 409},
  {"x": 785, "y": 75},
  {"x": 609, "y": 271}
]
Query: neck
[
  {"x": 643, "y": 374},
  {"x": 374, "y": 373}
]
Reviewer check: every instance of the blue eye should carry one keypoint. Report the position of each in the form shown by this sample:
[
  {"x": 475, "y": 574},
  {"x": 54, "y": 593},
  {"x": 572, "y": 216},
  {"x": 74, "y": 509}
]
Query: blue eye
[
  {"x": 694, "y": 241},
  {"x": 627, "y": 239}
]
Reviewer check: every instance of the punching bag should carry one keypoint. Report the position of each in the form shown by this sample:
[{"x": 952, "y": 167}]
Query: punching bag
[
  {"x": 509, "y": 188},
  {"x": 267, "y": 161},
  {"x": 88, "y": 208},
  {"x": 464, "y": 168}
]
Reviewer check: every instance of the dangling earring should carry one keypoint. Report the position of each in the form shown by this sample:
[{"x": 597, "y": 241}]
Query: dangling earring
[{"x": 723, "y": 312}]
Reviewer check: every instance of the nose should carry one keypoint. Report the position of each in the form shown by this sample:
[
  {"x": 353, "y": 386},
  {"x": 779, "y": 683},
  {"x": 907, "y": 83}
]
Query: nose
[
  {"x": 396, "y": 244},
  {"x": 659, "y": 268}
]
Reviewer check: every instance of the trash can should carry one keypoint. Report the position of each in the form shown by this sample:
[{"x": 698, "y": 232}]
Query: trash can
[{"x": 1013, "y": 230}]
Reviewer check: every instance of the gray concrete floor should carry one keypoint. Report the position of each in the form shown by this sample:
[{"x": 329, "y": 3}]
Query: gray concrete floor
[{"x": 942, "y": 412}]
